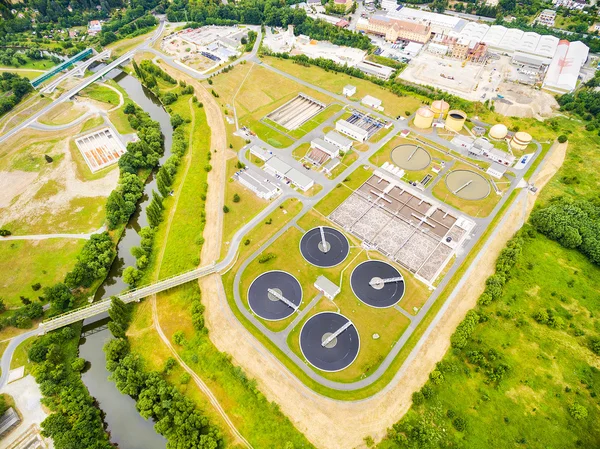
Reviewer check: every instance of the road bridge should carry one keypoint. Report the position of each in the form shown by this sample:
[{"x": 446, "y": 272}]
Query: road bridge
[
  {"x": 77, "y": 70},
  {"x": 133, "y": 295}
]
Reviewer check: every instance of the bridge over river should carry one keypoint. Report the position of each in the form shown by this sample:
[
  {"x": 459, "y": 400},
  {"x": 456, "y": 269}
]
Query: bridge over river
[{"x": 133, "y": 295}]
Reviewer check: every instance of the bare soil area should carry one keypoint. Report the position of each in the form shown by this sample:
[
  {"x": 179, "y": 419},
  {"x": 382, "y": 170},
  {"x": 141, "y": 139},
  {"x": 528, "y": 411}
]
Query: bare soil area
[
  {"x": 523, "y": 101},
  {"x": 335, "y": 424}
]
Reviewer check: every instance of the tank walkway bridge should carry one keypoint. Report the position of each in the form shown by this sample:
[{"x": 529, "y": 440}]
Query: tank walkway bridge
[{"x": 132, "y": 295}]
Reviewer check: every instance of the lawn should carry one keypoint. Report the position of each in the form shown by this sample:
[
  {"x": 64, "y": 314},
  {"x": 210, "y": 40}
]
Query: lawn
[
  {"x": 549, "y": 368},
  {"x": 61, "y": 114},
  {"x": 27, "y": 262},
  {"x": 241, "y": 212},
  {"x": 264, "y": 91},
  {"x": 30, "y": 74},
  {"x": 101, "y": 93},
  {"x": 335, "y": 82}
]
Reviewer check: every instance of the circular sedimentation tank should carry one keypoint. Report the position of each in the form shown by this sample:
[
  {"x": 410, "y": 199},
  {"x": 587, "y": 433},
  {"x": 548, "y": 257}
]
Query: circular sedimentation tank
[
  {"x": 332, "y": 253},
  {"x": 520, "y": 140},
  {"x": 377, "y": 284},
  {"x": 468, "y": 185},
  {"x": 440, "y": 108},
  {"x": 498, "y": 131},
  {"x": 411, "y": 157},
  {"x": 456, "y": 120},
  {"x": 265, "y": 291},
  {"x": 424, "y": 118}
]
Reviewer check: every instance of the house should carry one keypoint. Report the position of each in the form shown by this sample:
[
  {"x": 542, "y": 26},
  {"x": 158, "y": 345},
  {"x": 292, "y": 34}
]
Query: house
[
  {"x": 547, "y": 17},
  {"x": 94, "y": 27}
]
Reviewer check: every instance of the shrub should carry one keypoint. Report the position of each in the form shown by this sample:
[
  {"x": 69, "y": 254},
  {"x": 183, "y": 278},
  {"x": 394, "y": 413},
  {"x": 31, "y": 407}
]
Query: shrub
[
  {"x": 48, "y": 158},
  {"x": 247, "y": 242},
  {"x": 459, "y": 424},
  {"x": 418, "y": 398},
  {"x": 179, "y": 338},
  {"x": 595, "y": 345},
  {"x": 4, "y": 232},
  {"x": 35, "y": 287},
  {"x": 78, "y": 364},
  {"x": 225, "y": 209},
  {"x": 170, "y": 363},
  {"x": 236, "y": 198},
  {"x": 266, "y": 257},
  {"x": 578, "y": 411},
  {"x": 562, "y": 138},
  {"x": 185, "y": 378},
  {"x": 436, "y": 377}
]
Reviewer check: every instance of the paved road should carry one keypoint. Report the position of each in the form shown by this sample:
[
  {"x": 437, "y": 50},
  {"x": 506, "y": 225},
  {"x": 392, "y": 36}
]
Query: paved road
[{"x": 52, "y": 236}]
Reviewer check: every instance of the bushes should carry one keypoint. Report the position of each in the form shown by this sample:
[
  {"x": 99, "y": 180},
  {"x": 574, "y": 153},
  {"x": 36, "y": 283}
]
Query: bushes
[
  {"x": 264, "y": 258},
  {"x": 464, "y": 330},
  {"x": 578, "y": 411},
  {"x": 562, "y": 138},
  {"x": 93, "y": 262}
]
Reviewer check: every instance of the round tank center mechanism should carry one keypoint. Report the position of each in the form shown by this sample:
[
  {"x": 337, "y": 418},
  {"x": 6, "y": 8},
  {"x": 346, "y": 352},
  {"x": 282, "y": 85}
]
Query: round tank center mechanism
[
  {"x": 272, "y": 297},
  {"x": 333, "y": 341},
  {"x": 377, "y": 283},
  {"x": 324, "y": 246}
]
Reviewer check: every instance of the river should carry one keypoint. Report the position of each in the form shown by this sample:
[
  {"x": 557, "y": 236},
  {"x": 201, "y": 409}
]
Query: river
[{"x": 127, "y": 428}]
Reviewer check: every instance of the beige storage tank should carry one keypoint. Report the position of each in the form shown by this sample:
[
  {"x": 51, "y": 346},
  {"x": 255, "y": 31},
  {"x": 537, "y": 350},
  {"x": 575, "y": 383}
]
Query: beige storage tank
[
  {"x": 456, "y": 120},
  {"x": 440, "y": 108},
  {"x": 423, "y": 118},
  {"x": 498, "y": 131},
  {"x": 520, "y": 140}
]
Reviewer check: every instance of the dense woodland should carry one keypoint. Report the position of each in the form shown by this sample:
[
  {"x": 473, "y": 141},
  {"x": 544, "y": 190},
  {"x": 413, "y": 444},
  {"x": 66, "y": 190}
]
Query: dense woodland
[{"x": 12, "y": 90}]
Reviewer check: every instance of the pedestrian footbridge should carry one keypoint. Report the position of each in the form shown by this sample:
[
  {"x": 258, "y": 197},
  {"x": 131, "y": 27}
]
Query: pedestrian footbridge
[{"x": 132, "y": 295}]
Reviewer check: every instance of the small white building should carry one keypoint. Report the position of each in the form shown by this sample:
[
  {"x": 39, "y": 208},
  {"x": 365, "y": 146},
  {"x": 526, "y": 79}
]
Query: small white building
[
  {"x": 373, "y": 69},
  {"x": 349, "y": 90},
  {"x": 372, "y": 102},
  {"x": 321, "y": 151},
  {"x": 352, "y": 131},
  {"x": 299, "y": 179},
  {"x": 328, "y": 288},
  {"x": 437, "y": 49},
  {"x": 343, "y": 143},
  {"x": 280, "y": 169},
  {"x": 496, "y": 170}
]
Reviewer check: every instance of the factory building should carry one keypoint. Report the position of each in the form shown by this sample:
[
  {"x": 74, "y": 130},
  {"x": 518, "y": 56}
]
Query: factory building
[
  {"x": 280, "y": 169},
  {"x": 563, "y": 71},
  {"x": 351, "y": 130},
  {"x": 438, "y": 23},
  {"x": 373, "y": 69},
  {"x": 343, "y": 143},
  {"x": 394, "y": 29},
  {"x": 372, "y": 102},
  {"x": 261, "y": 183},
  {"x": 321, "y": 151}
]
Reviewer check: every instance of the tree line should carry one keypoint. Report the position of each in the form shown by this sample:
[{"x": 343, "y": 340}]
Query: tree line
[
  {"x": 175, "y": 416},
  {"x": 13, "y": 88}
]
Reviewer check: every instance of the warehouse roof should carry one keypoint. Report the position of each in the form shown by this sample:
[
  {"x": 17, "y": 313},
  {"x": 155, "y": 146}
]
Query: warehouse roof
[{"x": 563, "y": 71}]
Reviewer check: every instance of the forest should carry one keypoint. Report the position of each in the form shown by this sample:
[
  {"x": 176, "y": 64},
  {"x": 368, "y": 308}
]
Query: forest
[{"x": 13, "y": 88}]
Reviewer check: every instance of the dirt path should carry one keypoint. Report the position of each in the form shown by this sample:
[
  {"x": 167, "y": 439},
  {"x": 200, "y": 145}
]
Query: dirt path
[
  {"x": 155, "y": 316},
  {"x": 335, "y": 424}
]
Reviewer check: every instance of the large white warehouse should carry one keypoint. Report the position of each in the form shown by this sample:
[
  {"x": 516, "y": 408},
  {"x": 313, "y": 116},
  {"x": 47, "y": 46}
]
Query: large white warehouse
[{"x": 563, "y": 71}]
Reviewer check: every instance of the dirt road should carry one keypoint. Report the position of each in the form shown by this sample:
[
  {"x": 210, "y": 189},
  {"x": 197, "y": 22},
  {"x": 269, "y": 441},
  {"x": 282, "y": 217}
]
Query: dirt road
[{"x": 333, "y": 424}]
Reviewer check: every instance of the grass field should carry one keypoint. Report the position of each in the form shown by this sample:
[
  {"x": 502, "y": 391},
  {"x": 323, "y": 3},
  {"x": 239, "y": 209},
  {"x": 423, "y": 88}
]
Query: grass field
[
  {"x": 549, "y": 368},
  {"x": 241, "y": 212},
  {"x": 342, "y": 191},
  {"x": 61, "y": 114},
  {"x": 335, "y": 82},
  {"x": 262, "y": 92},
  {"x": 101, "y": 93},
  {"x": 27, "y": 262}
]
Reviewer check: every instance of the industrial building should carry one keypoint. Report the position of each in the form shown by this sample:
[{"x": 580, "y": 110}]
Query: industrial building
[
  {"x": 297, "y": 111},
  {"x": 278, "y": 168},
  {"x": 261, "y": 153},
  {"x": 343, "y": 143},
  {"x": 321, "y": 151},
  {"x": 438, "y": 23},
  {"x": 395, "y": 29},
  {"x": 372, "y": 102},
  {"x": 496, "y": 170},
  {"x": 351, "y": 130},
  {"x": 331, "y": 165},
  {"x": 328, "y": 288},
  {"x": 349, "y": 90},
  {"x": 261, "y": 183},
  {"x": 377, "y": 70},
  {"x": 563, "y": 71}
]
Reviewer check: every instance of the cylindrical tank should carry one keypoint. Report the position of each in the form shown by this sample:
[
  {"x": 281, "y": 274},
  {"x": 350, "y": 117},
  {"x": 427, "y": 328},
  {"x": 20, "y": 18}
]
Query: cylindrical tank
[
  {"x": 498, "y": 131},
  {"x": 520, "y": 140},
  {"x": 440, "y": 108},
  {"x": 423, "y": 118},
  {"x": 456, "y": 120}
]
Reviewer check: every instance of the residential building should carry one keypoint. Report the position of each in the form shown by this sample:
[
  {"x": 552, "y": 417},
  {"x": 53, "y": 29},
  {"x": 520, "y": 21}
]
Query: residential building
[
  {"x": 94, "y": 27},
  {"x": 346, "y": 4},
  {"x": 547, "y": 17},
  {"x": 570, "y": 4}
]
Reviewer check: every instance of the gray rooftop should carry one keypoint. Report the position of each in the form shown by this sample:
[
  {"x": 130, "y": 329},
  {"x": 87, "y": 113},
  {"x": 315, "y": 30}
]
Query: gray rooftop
[
  {"x": 259, "y": 179},
  {"x": 338, "y": 139},
  {"x": 8, "y": 420},
  {"x": 322, "y": 283},
  {"x": 298, "y": 178},
  {"x": 329, "y": 148},
  {"x": 278, "y": 165}
]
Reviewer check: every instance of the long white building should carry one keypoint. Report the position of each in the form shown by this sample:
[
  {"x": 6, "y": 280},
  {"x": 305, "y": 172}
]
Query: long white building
[{"x": 563, "y": 71}]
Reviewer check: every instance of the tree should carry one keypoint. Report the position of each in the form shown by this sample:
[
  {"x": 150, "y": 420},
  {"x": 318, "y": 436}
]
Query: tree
[
  {"x": 562, "y": 138},
  {"x": 60, "y": 297},
  {"x": 131, "y": 276},
  {"x": 78, "y": 364},
  {"x": 179, "y": 338},
  {"x": 225, "y": 209},
  {"x": 236, "y": 198},
  {"x": 185, "y": 378}
]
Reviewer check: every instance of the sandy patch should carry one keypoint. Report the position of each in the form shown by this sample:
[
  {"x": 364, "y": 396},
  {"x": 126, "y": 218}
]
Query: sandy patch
[
  {"x": 12, "y": 184},
  {"x": 335, "y": 424},
  {"x": 525, "y": 102},
  {"x": 66, "y": 187}
]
